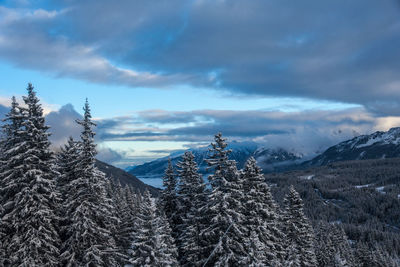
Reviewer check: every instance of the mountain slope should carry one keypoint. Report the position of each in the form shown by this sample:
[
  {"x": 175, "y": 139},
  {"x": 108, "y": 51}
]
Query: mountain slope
[
  {"x": 125, "y": 178},
  {"x": 363, "y": 196},
  {"x": 374, "y": 146}
]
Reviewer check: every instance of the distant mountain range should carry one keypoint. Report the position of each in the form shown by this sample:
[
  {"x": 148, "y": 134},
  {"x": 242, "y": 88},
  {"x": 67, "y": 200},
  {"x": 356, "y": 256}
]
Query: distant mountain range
[
  {"x": 268, "y": 159},
  {"x": 373, "y": 146}
]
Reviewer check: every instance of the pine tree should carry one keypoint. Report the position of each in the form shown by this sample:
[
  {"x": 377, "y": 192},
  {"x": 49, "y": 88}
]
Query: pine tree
[
  {"x": 192, "y": 200},
  {"x": 225, "y": 233},
  {"x": 166, "y": 250},
  {"x": 255, "y": 250},
  {"x": 218, "y": 161},
  {"x": 29, "y": 181},
  {"x": 364, "y": 256},
  {"x": 89, "y": 241},
  {"x": 325, "y": 251},
  {"x": 169, "y": 197},
  {"x": 152, "y": 245},
  {"x": 261, "y": 213},
  {"x": 67, "y": 160},
  {"x": 343, "y": 252},
  {"x": 12, "y": 150},
  {"x": 299, "y": 233},
  {"x": 125, "y": 226}
]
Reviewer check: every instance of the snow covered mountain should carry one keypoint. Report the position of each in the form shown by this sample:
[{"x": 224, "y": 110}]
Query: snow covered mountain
[
  {"x": 268, "y": 159},
  {"x": 373, "y": 146}
]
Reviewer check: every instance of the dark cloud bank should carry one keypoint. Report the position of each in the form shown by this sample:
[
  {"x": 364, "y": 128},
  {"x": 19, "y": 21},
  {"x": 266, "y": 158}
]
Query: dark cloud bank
[{"x": 338, "y": 50}]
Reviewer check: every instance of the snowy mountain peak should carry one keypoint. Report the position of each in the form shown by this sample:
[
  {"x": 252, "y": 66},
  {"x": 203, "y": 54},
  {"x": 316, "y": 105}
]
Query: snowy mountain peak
[{"x": 373, "y": 146}]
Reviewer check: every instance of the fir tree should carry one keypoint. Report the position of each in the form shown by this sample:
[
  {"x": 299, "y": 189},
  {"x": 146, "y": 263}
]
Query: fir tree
[
  {"x": 13, "y": 148},
  {"x": 299, "y": 233},
  {"x": 324, "y": 248},
  {"x": 261, "y": 213},
  {"x": 29, "y": 179},
  {"x": 152, "y": 245},
  {"x": 218, "y": 160},
  {"x": 364, "y": 256},
  {"x": 89, "y": 241},
  {"x": 67, "y": 160},
  {"x": 225, "y": 233},
  {"x": 192, "y": 200},
  {"x": 343, "y": 252},
  {"x": 125, "y": 227},
  {"x": 169, "y": 197},
  {"x": 166, "y": 250}
]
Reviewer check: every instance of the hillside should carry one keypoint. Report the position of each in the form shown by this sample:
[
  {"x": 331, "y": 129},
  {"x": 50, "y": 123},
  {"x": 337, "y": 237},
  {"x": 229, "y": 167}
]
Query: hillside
[
  {"x": 361, "y": 195},
  {"x": 125, "y": 178}
]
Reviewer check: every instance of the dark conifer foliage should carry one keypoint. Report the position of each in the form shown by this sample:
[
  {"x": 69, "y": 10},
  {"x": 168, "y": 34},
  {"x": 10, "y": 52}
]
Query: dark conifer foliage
[
  {"x": 125, "y": 226},
  {"x": 191, "y": 212},
  {"x": 169, "y": 199},
  {"x": 261, "y": 214},
  {"x": 225, "y": 230},
  {"x": 28, "y": 179},
  {"x": 152, "y": 244},
  {"x": 89, "y": 239},
  {"x": 12, "y": 155},
  {"x": 299, "y": 233},
  {"x": 67, "y": 160}
]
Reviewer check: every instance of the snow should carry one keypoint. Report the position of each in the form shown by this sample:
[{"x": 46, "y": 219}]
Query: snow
[
  {"x": 307, "y": 177},
  {"x": 362, "y": 186},
  {"x": 380, "y": 189}
]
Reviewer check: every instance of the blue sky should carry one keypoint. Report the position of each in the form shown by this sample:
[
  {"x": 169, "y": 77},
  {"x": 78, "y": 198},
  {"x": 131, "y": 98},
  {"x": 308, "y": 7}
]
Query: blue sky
[{"x": 166, "y": 75}]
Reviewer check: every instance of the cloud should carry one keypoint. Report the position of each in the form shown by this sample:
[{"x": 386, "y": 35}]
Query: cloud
[
  {"x": 109, "y": 155},
  {"x": 63, "y": 125},
  {"x": 308, "y": 132},
  {"x": 330, "y": 50},
  {"x": 27, "y": 39}
]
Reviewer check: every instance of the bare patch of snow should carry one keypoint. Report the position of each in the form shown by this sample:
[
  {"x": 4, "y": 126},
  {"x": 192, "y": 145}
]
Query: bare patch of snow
[
  {"x": 307, "y": 177},
  {"x": 380, "y": 189},
  {"x": 363, "y": 186}
]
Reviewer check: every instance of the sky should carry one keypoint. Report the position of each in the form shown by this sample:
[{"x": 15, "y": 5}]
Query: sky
[{"x": 166, "y": 75}]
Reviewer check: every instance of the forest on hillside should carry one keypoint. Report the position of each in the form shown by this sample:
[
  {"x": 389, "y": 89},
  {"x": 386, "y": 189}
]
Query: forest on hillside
[{"x": 58, "y": 209}]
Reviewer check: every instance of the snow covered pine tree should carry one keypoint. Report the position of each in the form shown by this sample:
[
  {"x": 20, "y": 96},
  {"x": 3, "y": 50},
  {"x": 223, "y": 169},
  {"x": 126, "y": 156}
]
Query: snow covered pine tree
[
  {"x": 191, "y": 202},
  {"x": 299, "y": 233},
  {"x": 152, "y": 244},
  {"x": 28, "y": 187},
  {"x": 88, "y": 237},
  {"x": 261, "y": 216},
  {"x": 225, "y": 231}
]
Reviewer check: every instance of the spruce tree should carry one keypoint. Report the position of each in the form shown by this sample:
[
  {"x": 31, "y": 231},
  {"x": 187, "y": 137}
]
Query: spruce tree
[
  {"x": 218, "y": 161},
  {"x": 13, "y": 148},
  {"x": 299, "y": 233},
  {"x": 324, "y": 248},
  {"x": 343, "y": 252},
  {"x": 225, "y": 232},
  {"x": 169, "y": 197},
  {"x": 67, "y": 160},
  {"x": 261, "y": 213},
  {"x": 89, "y": 241},
  {"x": 167, "y": 253},
  {"x": 191, "y": 212},
  {"x": 125, "y": 226},
  {"x": 152, "y": 244},
  {"x": 29, "y": 181}
]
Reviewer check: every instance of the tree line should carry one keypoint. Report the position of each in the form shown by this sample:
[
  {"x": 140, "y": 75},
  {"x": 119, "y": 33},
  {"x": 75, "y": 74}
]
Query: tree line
[{"x": 58, "y": 209}]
